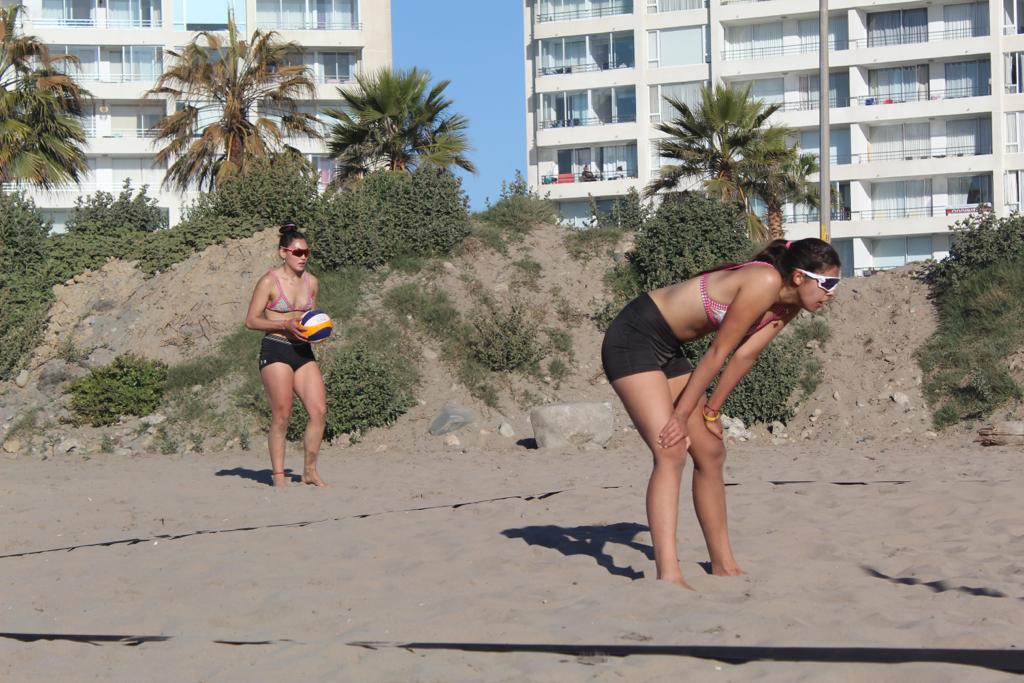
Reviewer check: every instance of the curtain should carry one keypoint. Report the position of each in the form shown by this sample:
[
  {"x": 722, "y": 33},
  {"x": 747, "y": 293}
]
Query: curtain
[
  {"x": 267, "y": 13},
  {"x": 601, "y": 104},
  {"x": 901, "y": 198},
  {"x": 900, "y": 84},
  {"x": 53, "y": 9},
  {"x": 579, "y": 107},
  {"x": 687, "y": 93},
  {"x": 1013, "y": 187},
  {"x": 625, "y": 103},
  {"x": 767, "y": 39},
  {"x": 967, "y": 79},
  {"x": 917, "y": 140},
  {"x": 886, "y": 142},
  {"x": 145, "y": 62},
  {"x": 969, "y": 190},
  {"x": 618, "y": 160},
  {"x": 807, "y": 29},
  {"x": 120, "y": 12},
  {"x": 575, "y": 52},
  {"x": 838, "y": 90},
  {"x": 1012, "y": 133},
  {"x": 739, "y": 40},
  {"x": 915, "y": 25},
  {"x": 884, "y": 28},
  {"x": 838, "y": 33},
  {"x": 970, "y": 136}
]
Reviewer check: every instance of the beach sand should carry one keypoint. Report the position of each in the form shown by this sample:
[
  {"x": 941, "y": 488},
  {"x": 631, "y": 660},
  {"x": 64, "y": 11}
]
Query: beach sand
[{"x": 879, "y": 545}]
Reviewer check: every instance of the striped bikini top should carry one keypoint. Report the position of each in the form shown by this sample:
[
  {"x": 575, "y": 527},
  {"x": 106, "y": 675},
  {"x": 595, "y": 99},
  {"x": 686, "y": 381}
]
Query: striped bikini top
[
  {"x": 281, "y": 303},
  {"x": 716, "y": 310}
]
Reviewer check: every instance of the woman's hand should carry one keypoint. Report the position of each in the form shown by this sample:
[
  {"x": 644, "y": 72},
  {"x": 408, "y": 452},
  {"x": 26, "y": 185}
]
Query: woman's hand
[
  {"x": 293, "y": 329},
  {"x": 674, "y": 432}
]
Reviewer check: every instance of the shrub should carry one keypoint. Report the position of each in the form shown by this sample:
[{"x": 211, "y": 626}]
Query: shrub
[
  {"x": 364, "y": 390},
  {"x": 629, "y": 213},
  {"x": 504, "y": 340},
  {"x": 130, "y": 212},
  {"x": 689, "y": 233},
  {"x": 979, "y": 240},
  {"x": 391, "y": 214},
  {"x": 130, "y": 385},
  {"x": 515, "y": 214},
  {"x": 25, "y": 293},
  {"x": 965, "y": 361}
]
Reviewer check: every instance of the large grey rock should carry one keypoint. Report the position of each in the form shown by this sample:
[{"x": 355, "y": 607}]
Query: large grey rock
[
  {"x": 505, "y": 429},
  {"x": 562, "y": 425},
  {"x": 450, "y": 419},
  {"x": 68, "y": 445},
  {"x": 57, "y": 371}
]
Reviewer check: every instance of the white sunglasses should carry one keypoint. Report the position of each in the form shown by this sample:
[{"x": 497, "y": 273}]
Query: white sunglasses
[{"x": 826, "y": 282}]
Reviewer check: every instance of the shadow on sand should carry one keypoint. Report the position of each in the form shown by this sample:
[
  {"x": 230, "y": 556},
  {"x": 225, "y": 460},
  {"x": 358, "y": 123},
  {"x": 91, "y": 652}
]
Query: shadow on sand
[
  {"x": 588, "y": 540},
  {"x": 262, "y": 476}
]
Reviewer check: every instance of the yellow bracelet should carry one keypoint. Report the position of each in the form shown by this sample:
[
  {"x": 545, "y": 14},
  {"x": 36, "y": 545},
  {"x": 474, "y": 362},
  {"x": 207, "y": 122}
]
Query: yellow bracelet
[{"x": 710, "y": 418}]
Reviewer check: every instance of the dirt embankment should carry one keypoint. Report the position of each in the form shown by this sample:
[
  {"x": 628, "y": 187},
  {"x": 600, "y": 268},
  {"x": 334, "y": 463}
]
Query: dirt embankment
[{"x": 870, "y": 388}]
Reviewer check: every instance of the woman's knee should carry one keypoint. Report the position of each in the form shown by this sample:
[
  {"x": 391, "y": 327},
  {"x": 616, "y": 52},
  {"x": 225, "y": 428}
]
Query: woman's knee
[
  {"x": 317, "y": 412},
  {"x": 279, "y": 416},
  {"x": 709, "y": 458},
  {"x": 674, "y": 457}
]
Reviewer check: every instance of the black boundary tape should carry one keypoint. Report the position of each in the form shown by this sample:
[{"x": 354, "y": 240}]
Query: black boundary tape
[
  {"x": 202, "y": 532},
  {"x": 999, "y": 660},
  {"x": 87, "y": 638}
]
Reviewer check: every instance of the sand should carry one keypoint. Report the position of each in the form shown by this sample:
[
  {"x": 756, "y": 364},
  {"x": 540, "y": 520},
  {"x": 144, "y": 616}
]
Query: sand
[{"x": 881, "y": 545}]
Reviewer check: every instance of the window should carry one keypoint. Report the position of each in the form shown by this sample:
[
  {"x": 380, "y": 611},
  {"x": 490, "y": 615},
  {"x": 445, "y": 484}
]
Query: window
[
  {"x": 838, "y": 34},
  {"x": 967, "y": 79},
  {"x": 894, "y": 252},
  {"x": 838, "y": 143},
  {"x": 900, "y": 141},
  {"x": 771, "y": 90},
  {"x": 687, "y": 93},
  {"x": 336, "y": 66},
  {"x": 565, "y": 10},
  {"x": 898, "y": 84},
  {"x": 968, "y": 136},
  {"x": 965, "y": 21},
  {"x": 898, "y": 27},
  {"x": 753, "y": 41},
  {"x": 1012, "y": 67},
  {"x": 845, "y": 250},
  {"x": 838, "y": 90},
  {"x": 1013, "y": 17},
  {"x": 588, "y": 107},
  {"x": 969, "y": 191},
  {"x": 1014, "y": 190},
  {"x": 1014, "y": 126},
  {"x": 587, "y": 53},
  {"x": 901, "y": 199},
  {"x": 677, "y": 46},
  {"x": 655, "y": 6}
]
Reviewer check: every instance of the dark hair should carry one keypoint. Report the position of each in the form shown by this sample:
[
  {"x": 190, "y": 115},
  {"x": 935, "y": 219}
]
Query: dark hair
[
  {"x": 289, "y": 233},
  {"x": 809, "y": 254}
]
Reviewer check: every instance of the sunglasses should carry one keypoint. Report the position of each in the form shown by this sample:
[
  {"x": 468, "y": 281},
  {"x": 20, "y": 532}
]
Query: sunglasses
[
  {"x": 827, "y": 283},
  {"x": 297, "y": 253}
]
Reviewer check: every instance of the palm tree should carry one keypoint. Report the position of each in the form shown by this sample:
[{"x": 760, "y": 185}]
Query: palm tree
[
  {"x": 782, "y": 179},
  {"x": 236, "y": 102},
  {"x": 393, "y": 121},
  {"x": 41, "y": 133},
  {"x": 716, "y": 142}
]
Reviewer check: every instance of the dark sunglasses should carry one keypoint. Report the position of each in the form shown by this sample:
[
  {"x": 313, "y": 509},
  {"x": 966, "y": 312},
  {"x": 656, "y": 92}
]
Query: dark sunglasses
[
  {"x": 297, "y": 253},
  {"x": 827, "y": 283}
]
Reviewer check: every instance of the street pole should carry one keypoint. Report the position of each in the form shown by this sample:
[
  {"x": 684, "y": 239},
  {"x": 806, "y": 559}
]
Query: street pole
[{"x": 824, "y": 155}]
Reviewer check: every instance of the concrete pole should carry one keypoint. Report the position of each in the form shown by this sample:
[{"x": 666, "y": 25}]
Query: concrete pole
[{"x": 824, "y": 156}]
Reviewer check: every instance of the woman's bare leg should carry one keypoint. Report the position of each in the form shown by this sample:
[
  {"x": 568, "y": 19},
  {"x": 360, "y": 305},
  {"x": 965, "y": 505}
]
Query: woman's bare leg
[
  {"x": 648, "y": 400},
  {"x": 708, "y": 453},
  {"x": 309, "y": 385},
  {"x": 277, "y": 380}
]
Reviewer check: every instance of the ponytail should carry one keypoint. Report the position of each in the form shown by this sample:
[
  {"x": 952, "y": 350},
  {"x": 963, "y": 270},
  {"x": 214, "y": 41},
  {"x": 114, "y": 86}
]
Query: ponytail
[
  {"x": 289, "y": 232},
  {"x": 809, "y": 254}
]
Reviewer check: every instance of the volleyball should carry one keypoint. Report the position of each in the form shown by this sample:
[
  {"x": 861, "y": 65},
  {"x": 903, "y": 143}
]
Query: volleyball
[{"x": 316, "y": 325}]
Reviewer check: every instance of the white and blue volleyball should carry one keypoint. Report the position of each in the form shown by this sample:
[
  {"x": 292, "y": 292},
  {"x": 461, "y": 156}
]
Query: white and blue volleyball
[{"x": 316, "y": 325}]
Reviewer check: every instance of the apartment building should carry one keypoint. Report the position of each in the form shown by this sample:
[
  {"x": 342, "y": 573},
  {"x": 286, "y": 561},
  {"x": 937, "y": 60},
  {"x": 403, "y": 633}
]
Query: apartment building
[
  {"x": 926, "y": 104},
  {"x": 122, "y": 47}
]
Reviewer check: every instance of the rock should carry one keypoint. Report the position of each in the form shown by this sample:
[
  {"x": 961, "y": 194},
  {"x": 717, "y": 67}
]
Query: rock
[
  {"x": 501, "y": 287},
  {"x": 12, "y": 446},
  {"x": 835, "y": 395},
  {"x": 22, "y": 379},
  {"x": 931, "y": 435},
  {"x": 449, "y": 266},
  {"x": 154, "y": 419},
  {"x": 56, "y": 372},
  {"x": 561, "y": 425},
  {"x": 123, "y": 452},
  {"x": 430, "y": 354},
  {"x": 777, "y": 428},
  {"x": 451, "y": 440},
  {"x": 505, "y": 429},
  {"x": 899, "y": 398},
  {"x": 68, "y": 445},
  {"x": 813, "y": 344},
  {"x": 891, "y": 360},
  {"x": 451, "y": 419}
]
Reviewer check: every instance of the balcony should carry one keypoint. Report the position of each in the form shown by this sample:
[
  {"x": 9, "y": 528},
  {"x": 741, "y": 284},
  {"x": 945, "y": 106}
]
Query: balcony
[
  {"x": 313, "y": 23},
  {"x": 583, "y": 10},
  {"x": 147, "y": 76},
  {"x": 586, "y": 177},
  {"x": 591, "y": 121},
  {"x": 583, "y": 68},
  {"x": 978, "y": 90},
  {"x": 921, "y": 212},
  {"x": 809, "y": 102},
  {"x": 813, "y": 216},
  {"x": 736, "y": 53},
  {"x": 140, "y": 133},
  {"x": 910, "y": 155},
  {"x": 918, "y": 37}
]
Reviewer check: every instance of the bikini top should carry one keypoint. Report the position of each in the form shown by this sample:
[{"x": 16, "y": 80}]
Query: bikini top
[
  {"x": 716, "y": 310},
  {"x": 281, "y": 303}
]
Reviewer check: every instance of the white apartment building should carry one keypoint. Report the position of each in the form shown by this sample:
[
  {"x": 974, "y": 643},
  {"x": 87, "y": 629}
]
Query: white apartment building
[
  {"x": 926, "y": 113},
  {"x": 121, "y": 45}
]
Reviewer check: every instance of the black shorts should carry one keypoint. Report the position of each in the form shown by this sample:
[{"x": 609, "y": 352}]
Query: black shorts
[
  {"x": 279, "y": 350},
  {"x": 640, "y": 340}
]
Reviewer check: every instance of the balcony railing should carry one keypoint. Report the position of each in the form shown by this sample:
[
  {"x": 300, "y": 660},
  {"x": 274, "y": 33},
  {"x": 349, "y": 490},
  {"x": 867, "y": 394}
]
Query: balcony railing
[
  {"x": 595, "y": 13},
  {"x": 585, "y": 177},
  {"x": 64, "y": 22},
  {"x": 310, "y": 24},
  {"x": 734, "y": 53},
  {"x": 910, "y": 154},
  {"x": 680, "y": 5},
  {"x": 916, "y": 37},
  {"x": 581, "y": 68},
  {"x": 741, "y": 2},
  {"x": 117, "y": 78},
  {"x": 813, "y": 216},
  {"x": 901, "y": 212},
  {"x": 140, "y": 133},
  {"x": 86, "y": 187},
  {"x": 807, "y": 103},
  {"x": 587, "y": 121},
  {"x": 979, "y": 90}
]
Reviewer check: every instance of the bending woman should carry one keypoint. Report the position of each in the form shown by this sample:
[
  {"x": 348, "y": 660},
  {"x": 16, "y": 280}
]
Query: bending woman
[
  {"x": 287, "y": 364},
  {"x": 744, "y": 306}
]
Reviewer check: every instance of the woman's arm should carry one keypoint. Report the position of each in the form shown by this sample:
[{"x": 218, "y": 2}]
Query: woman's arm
[
  {"x": 743, "y": 359},
  {"x": 757, "y": 293}
]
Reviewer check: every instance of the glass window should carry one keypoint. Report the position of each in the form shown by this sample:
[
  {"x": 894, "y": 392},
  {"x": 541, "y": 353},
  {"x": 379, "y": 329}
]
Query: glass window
[
  {"x": 919, "y": 248},
  {"x": 679, "y": 46}
]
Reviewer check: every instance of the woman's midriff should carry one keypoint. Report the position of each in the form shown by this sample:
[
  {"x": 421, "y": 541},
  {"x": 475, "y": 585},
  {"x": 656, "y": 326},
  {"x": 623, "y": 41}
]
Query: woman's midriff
[{"x": 675, "y": 302}]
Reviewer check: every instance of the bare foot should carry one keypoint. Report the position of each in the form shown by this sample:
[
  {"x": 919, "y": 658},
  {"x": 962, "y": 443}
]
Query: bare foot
[
  {"x": 731, "y": 570},
  {"x": 311, "y": 477},
  {"x": 280, "y": 480},
  {"x": 678, "y": 580}
]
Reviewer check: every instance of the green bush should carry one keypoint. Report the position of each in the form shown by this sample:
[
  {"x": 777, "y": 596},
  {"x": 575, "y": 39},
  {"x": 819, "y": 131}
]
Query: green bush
[
  {"x": 514, "y": 215},
  {"x": 103, "y": 214},
  {"x": 629, "y": 213},
  {"x": 130, "y": 385},
  {"x": 391, "y": 214},
  {"x": 689, "y": 233},
  {"x": 365, "y": 389},
  {"x": 965, "y": 362},
  {"x": 504, "y": 339},
  {"x": 25, "y": 292},
  {"x": 978, "y": 241}
]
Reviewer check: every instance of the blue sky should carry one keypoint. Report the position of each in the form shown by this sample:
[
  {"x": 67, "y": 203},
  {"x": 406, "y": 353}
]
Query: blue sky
[{"x": 478, "y": 46}]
